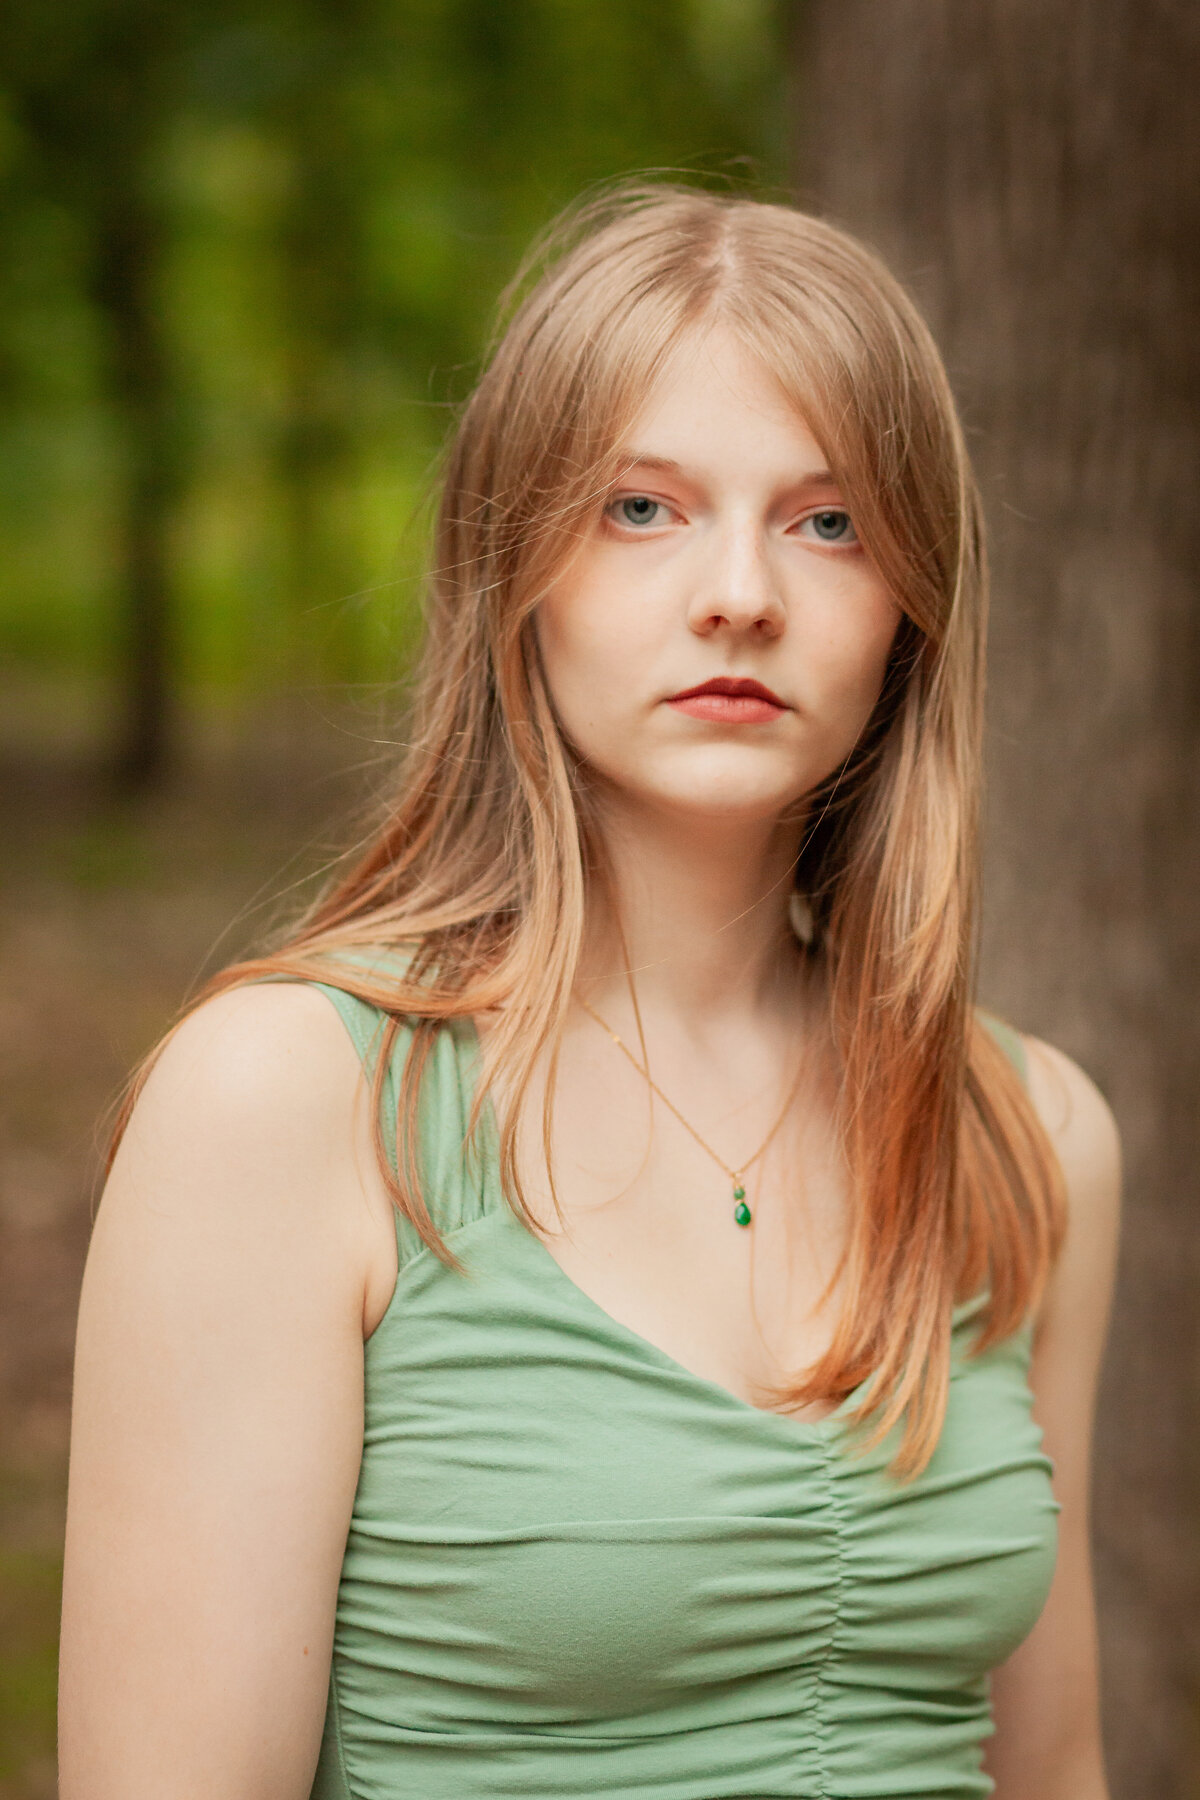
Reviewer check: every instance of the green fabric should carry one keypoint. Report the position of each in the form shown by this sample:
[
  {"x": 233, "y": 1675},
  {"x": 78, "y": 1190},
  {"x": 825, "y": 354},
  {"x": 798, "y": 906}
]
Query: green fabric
[
  {"x": 574, "y": 1568},
  {"x": 1010, "y": 1041}
]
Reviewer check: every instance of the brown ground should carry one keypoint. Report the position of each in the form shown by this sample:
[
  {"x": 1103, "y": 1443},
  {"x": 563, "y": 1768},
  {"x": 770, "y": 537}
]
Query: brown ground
[{"x": 109, "y": 912}]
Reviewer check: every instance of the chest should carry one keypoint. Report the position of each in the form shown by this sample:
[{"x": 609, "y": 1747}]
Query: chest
[{"x": 641, "y": 1217}]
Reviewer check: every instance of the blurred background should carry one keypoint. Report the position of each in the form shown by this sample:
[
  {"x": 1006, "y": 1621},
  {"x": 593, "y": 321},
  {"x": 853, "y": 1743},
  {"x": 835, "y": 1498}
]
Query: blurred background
[{"x": 248, "y": 254}]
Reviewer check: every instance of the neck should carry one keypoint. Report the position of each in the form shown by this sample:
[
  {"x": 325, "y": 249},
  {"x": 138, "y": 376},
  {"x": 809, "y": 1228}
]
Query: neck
[{"x": 697, "y": 911}]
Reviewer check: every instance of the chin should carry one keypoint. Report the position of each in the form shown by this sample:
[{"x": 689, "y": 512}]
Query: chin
[
  {"x": 716, "y": 783},
  {"x": 737, "y": 786},
  {"x": 730, "y": 802}
]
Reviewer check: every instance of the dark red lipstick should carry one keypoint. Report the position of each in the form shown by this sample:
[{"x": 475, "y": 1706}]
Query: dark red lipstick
[{"x": 730, "y": 700}]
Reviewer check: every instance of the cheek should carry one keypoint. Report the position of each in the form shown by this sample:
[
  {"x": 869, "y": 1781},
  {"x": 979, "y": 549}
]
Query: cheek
[
  {"x": 582, "y": 650},
  {"x": 595, "y": 640},
  {"x": 572, "y": 637},
  {"x": 564, "y": 635},
  {"x": 855, "y": 648}
]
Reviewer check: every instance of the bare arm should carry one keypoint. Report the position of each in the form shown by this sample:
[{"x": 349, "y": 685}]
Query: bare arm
[
  {"x": 1046, "y": 1696},
  {"x": 217, "y": 1422}
]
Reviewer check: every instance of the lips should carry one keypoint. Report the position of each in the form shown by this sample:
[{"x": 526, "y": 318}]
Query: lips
[{"x": 730, "y": 700}]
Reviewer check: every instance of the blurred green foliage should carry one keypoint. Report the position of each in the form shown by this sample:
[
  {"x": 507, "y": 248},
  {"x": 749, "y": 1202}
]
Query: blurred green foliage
[{"x": 248, "y": 256}]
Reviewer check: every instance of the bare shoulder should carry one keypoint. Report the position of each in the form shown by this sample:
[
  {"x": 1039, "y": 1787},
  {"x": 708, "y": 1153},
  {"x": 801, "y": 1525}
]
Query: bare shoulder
[
  {"x": 264, "y": 1072},
  {"x": 254, "y": 1125},
  {"x": 1081, "y": 1128},
  {"x": 251, "y": 1059}
]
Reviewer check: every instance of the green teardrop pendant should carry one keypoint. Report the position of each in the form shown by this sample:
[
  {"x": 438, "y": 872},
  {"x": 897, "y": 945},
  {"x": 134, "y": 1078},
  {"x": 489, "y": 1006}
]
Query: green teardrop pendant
[{"x": 741, "y": 1212}]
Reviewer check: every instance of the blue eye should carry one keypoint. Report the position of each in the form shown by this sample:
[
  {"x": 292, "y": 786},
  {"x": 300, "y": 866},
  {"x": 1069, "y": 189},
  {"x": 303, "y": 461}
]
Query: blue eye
[
  {"x": 832, "y": 525},
  {"x": 638, "y": 509}
]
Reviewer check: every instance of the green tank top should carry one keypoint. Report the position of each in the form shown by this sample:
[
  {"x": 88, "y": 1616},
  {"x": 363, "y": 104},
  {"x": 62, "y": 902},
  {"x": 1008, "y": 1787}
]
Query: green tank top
[{"x": 574, "y": 1568}]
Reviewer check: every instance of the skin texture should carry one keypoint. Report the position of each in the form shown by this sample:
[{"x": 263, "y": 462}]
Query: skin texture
[{"x": 244, "y": 1245}]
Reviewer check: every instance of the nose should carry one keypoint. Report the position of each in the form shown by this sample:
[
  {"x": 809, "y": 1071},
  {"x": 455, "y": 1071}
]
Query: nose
[{"x": 737, "y": 589}]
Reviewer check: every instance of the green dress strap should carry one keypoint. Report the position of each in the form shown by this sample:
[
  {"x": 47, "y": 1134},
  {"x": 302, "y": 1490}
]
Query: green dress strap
[
  {"x": 449, "y": 1164},
  {"x": 1009, "y": 1040}
]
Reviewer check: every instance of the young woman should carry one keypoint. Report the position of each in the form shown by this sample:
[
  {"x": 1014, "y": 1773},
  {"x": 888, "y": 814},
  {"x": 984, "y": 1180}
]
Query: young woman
[{"x": 668, "y": 1371}]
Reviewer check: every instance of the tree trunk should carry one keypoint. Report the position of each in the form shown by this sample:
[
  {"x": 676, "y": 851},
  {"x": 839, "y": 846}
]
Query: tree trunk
[{"x": 1033, "y": 171}]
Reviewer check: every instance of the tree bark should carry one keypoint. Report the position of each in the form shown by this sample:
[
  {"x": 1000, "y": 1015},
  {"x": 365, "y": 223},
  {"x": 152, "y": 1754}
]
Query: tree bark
[{"x": 1033, "y": 172}]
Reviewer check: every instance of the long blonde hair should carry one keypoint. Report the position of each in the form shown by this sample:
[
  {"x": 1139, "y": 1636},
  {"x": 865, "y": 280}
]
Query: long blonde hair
[{"x": 480, "y": 868}]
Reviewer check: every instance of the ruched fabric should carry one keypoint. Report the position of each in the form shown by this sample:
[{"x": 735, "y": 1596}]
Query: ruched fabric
[{"x": 575, "y": 1568}]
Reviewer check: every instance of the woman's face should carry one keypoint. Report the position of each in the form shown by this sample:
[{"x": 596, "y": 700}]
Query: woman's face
[{"x": 720, "y": 639}]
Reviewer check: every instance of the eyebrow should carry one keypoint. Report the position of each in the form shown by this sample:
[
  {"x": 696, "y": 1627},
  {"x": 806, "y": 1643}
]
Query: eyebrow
[{"x": 636, "y": 459}]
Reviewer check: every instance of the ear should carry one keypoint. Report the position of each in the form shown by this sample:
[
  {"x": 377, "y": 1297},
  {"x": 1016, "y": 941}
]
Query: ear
[{"x": 800, "y": 917}]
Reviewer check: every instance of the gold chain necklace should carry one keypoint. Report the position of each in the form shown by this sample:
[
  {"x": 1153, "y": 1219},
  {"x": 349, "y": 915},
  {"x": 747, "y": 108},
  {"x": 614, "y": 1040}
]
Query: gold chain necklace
[{"x": 741, "y": 1211}]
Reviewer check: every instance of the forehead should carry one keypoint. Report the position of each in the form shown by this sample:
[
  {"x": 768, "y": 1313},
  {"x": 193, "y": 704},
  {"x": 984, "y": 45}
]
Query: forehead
[{"x": 716, "y": 401}]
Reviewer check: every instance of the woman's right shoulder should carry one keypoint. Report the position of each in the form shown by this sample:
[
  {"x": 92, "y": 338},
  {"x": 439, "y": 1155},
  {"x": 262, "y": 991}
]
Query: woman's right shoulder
[
  {"x": 251, "y": 1061},
  {"x": 254, "y": 1119}
]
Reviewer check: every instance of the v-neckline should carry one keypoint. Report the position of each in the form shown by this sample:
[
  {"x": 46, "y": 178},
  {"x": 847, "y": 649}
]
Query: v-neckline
[{"x": 829, "y": 1425}]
